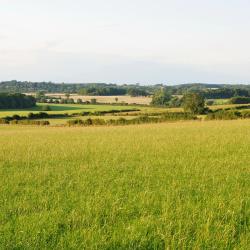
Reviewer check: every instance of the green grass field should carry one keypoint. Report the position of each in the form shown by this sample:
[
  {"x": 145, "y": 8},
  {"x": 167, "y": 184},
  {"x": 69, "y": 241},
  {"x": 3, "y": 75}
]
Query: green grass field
[
  {"x": 183, "y": 185},
  {"x": 78, "y": 108},
  {"x": 63, "y": 108}
]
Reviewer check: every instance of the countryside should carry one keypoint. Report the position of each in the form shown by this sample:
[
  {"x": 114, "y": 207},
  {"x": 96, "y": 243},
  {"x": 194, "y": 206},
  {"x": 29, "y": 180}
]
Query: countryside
[
  {"x": 103, "y": 176},
  {"x": 124, "y": 125}
]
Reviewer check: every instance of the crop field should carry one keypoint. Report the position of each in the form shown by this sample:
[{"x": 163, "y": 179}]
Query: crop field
[
  {"x": 107, "y": 99},
  {"x": 104, "y": 99},
  {"x": 182, "y": 185},
  {"x": 78, "y": 108}
]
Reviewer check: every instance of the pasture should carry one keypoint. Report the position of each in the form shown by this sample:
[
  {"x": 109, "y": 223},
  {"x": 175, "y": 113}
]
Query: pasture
[
  {"x": 183, "y": 185},
  {"x": 79, "y": 108},
  {"x": 63, "y": 108}
]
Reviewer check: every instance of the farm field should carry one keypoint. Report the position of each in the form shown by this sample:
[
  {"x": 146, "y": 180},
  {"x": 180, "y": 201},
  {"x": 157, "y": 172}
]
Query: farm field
[
  {"x": 183, "y": 185},
  {"x": 105, "y": 99},
  {"x": 63, "y": 108},
  {"x": 78, "y": 108}
]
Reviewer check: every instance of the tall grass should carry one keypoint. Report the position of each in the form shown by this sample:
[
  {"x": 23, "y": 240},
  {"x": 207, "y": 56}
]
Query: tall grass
[{"x": 182, "y": 185}]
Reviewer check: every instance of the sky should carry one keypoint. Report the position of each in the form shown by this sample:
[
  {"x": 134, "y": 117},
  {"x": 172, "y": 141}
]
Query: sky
[{"x": 132, "y": 41}]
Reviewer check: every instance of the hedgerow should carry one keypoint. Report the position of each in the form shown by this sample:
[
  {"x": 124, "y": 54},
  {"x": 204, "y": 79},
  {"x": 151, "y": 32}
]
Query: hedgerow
[{"x": 171, "y": 116}]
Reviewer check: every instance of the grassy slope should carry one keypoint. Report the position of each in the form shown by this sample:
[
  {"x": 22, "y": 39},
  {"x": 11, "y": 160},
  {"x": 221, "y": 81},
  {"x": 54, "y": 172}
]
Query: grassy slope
[{"x": 175, "y": 185}]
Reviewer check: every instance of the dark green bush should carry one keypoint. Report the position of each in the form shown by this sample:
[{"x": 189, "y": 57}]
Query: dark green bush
[
  {"x": 39, "y": 115},
  {"x": 4, "y": 121},
  {"x": 104, "y": 112},
  {"x": 10, "y": 101},
  {"x": 239, "y": 100},
  {"x": 170, "y": 116},
  {"x": 30, "y": 122},
  {"x": 224, "y": 115},
  {"x": 245, "y": 114},
  {"x": 210, "y": 102}
]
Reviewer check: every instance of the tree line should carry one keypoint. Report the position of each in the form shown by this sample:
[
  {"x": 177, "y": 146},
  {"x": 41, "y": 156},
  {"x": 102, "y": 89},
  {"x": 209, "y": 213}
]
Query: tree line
[
  {"x": 209, "y": 91},
  {"x": 14, "y": 101}
]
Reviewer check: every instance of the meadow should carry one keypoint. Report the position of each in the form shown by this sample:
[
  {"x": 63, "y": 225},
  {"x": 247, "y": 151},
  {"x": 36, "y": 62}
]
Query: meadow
[
  {"x": 63, "y": 108},
  {"x": 182, "y": 185},
  {"x": 79, "y": 108}
]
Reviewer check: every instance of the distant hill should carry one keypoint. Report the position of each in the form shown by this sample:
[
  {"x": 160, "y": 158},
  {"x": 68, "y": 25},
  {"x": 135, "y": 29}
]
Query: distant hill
[{"x": 207, "y": 89}]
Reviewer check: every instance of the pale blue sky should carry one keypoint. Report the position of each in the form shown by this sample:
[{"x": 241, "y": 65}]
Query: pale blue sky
[{"x": 130, "y": 41}]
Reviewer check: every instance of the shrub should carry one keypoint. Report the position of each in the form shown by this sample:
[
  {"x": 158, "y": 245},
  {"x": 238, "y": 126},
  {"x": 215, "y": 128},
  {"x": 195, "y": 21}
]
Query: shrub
[
  {"x": 175, "y": 102},
  {"x": 161, "y": 97},
  {"x": 239, "y": 100},
  {"x": 170, "y": 116},
  {"x": 223, "y": 115},
  {"x": 245, "y": 114},
  {"x": 39, "y": 115},
  {"x": 210, "y": 102},
  {"x": 4, "y": 121},
  {"x": 79, "y": 101},
  {"x": 75, "y": 122},
  {"x": 194, "y": 103},
  {"x": 16, "y": 117},
  {"x": 93, "y": 101},
  {"x": 31, "y": 122},
  {"x": 14, "y": 122}
]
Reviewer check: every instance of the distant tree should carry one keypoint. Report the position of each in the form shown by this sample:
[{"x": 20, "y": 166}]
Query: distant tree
[
  {"x": 9, "y": 101},
  {"x": 40, "y": 95},
  {"x": 194, "y": 103},
  {"x": 175, "y": 102},
  {"x": 210, "y": 102},
  {"x": 79, "y": 101},
  {"x": 70, "y": 101},
  {"x": 137, "y": 92},
  {"x": 67, "y": 95},
  {"x": 161, "y": 97},
  {"x": 239, "y": 100},
  {"x": 93, "y": 101},
  {"x": 62, "y": 101},
  {"x": 116, "y": 99}
]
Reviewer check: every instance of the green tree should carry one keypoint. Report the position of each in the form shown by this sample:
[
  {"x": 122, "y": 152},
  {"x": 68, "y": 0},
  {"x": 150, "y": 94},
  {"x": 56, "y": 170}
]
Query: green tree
[
  {"x": 194, "y": 103},
  {"x": 175, "y": 102},
  {"x": 40, "y": 95},
  {"x": 93, "y": 101},
  {"x": 79, "y": 101},
  {"x": 161, "y": 97}
]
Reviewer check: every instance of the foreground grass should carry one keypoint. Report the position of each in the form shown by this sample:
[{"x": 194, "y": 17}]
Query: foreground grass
[{"x": 178, "y": 185}]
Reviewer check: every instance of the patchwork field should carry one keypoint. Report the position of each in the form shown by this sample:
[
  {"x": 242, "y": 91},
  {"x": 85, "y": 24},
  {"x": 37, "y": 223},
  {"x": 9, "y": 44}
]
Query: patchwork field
[
  {"x": 79, "y": 108},
  {"x": 105, "y": 99},
  {"x": 63, "y": 108},
  {"x": 183, "y": 185}
]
